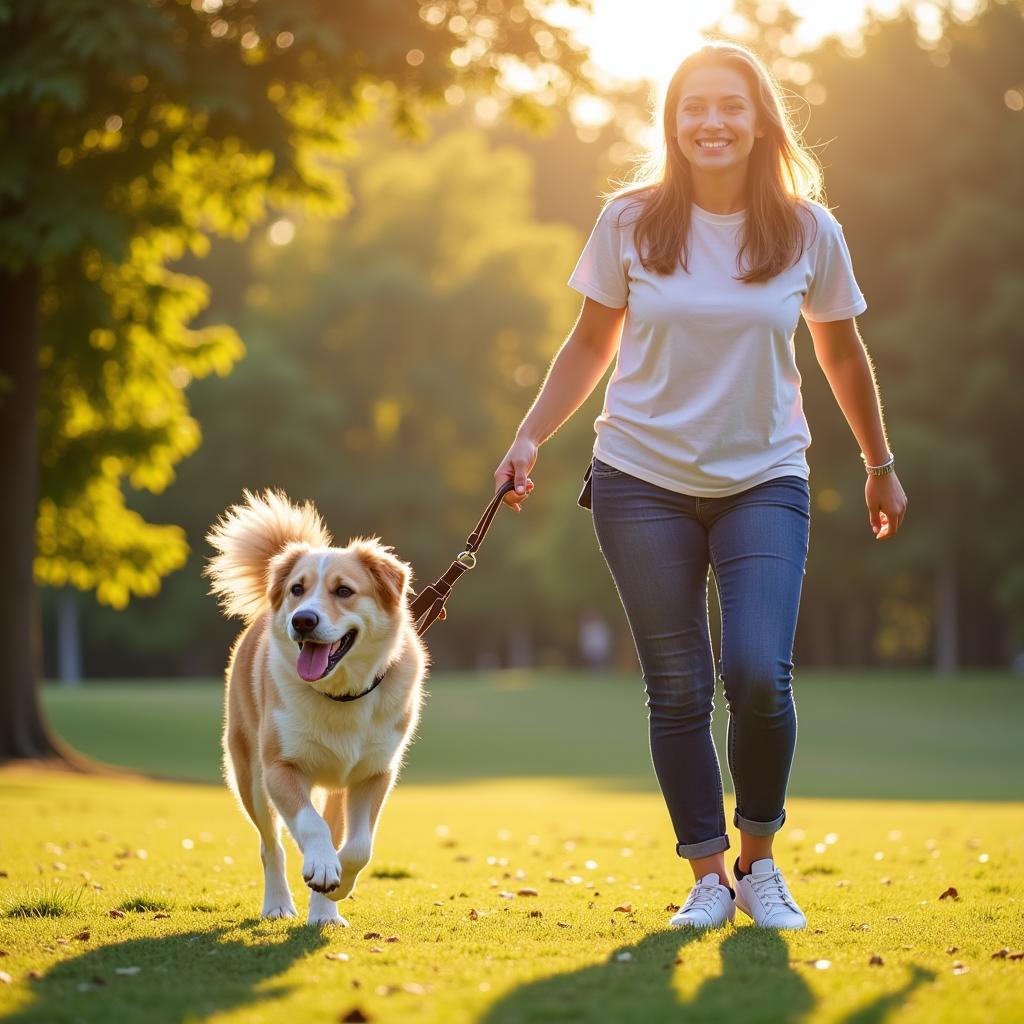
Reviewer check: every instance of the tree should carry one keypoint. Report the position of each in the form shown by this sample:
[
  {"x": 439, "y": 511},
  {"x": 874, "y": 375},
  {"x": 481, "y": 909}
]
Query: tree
[{"x": 132, "y": 133}]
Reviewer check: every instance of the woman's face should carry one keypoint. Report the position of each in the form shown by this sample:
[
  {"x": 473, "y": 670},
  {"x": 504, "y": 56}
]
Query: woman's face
[{"x": 716, "y": 120}]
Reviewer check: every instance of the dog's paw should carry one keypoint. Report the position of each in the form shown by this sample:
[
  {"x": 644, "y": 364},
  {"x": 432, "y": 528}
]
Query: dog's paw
[
  {"x": 279, "y": 909},
  {"x": 322, "y": 873},
  {"x": 324, "y": 913}
]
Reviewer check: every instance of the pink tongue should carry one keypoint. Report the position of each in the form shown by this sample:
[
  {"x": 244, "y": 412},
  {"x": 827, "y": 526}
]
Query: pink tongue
[{"x": 312, "y": 661}]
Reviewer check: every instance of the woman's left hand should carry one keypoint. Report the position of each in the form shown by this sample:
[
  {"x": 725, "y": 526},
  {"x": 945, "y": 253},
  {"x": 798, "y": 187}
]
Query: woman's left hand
[{"x": 887, "y": 504}]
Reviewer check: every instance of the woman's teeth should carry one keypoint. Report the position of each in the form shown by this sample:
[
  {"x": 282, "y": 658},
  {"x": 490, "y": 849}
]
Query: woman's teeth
[{"x": 713, "y": 145}]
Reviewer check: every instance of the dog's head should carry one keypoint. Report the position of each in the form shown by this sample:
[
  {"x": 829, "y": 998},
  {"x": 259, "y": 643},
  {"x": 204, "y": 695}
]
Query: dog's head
[{"x": 331, "y": 601}]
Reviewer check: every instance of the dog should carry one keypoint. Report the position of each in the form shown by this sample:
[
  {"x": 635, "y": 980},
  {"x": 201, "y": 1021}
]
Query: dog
[{"x": 324, "y": 690}]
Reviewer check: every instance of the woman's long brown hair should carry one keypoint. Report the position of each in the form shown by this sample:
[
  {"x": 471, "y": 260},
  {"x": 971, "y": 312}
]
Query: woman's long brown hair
[{"x": 781, "y": 172}]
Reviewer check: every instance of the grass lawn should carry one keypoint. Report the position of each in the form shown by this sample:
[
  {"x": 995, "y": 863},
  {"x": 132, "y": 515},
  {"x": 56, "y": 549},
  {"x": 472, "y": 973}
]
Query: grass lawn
[
  {"x": 183, "y": 866},
  {"x": 888, "y": 735}
]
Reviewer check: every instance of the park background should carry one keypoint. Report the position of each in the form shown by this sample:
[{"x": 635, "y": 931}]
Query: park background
[{"x": 325, "y": 249}]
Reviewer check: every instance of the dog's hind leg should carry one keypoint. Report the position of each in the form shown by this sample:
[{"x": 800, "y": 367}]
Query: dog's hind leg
[
  {"x": 363, "y": 801},
  {"x": 277, "y": 900}
]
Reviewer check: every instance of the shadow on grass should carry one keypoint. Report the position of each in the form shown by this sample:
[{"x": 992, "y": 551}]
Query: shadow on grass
[
  {"x": 188, "y": 976},
  {"x": 757, "y": 983}
]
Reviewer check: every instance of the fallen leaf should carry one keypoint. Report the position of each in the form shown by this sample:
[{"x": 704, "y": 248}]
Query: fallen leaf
[
  {"x": 157, "y": 917},
  {"x": 951, "y": 949},
  {"x": 438, "y": 903},
  {"x": 528, "y": 892},
  {"x": 392, "y": 938},
  {"x": 5, "y": 978},
  {"x": 83, "y": 936},
  {"x": 624, "y": 908},
  {"x": 507, "y": 895},
  {"x": 536, "y": 913},
  {"x": 372, "y": 935},
  {"x": 3, "y": 952},
  {"x": 414, "y": 988},
  {"x": 876, "y": 960},
  {"x": 950, "y": 892},
  {"x": 376, "y": 949},
  {"x": 959, "y": 968},
  {"x": 563, "y": 924},
  {"x": 672, "y": 907},
  {"x": 354, "y": 1016},
  {"x": 336, "y": 956},
  {"x": 1001, "y": 954},
  {"x": 473, "y": 914},
  {"x": 34, "y": 975},
  {"x": 1017, "y": 956},
  {"x": 678, "y": 960},
  {"x": 117, "y": 913}
]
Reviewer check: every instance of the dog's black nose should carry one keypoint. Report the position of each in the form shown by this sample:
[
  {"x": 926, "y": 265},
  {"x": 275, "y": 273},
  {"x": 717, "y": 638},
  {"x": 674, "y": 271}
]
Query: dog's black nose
[{"x": 305, "y": 622}]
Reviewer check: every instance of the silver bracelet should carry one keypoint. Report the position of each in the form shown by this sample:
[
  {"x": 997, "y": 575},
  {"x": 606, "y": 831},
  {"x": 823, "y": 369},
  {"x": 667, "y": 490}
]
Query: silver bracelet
[{"x": 886, "y": 467}]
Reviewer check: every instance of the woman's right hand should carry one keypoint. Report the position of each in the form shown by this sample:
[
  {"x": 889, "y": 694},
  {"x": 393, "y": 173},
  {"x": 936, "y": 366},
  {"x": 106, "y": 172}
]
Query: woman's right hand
[{"x": 516, "y": 466}]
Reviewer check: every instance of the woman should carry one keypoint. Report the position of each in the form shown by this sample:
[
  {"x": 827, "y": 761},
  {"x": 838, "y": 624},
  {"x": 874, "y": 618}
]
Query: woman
[{"x": 696, "y": 278}]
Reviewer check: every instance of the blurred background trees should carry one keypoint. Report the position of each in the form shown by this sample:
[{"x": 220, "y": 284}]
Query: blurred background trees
[{"x": 392, "y": 348}]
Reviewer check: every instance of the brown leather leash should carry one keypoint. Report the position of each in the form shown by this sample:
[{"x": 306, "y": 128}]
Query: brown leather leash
[{"x": 429, "y": 602}]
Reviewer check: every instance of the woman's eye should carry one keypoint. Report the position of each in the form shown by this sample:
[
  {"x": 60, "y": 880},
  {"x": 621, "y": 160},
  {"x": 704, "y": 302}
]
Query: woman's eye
[
  {"x": 297, "y": 589},
  {"x": 344, "y": 591}
]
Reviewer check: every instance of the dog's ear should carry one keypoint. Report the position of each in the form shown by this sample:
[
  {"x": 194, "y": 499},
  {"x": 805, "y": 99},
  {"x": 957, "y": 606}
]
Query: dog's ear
[
  {"x": 391, "y": 577},
  {"x": 278, "y": 571}
]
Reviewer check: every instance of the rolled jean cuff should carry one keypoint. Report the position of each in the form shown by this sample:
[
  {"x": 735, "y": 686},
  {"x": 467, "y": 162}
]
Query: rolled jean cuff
[
  {"x": 759, "y": 828},
  {"x": 705, "y": 849}
]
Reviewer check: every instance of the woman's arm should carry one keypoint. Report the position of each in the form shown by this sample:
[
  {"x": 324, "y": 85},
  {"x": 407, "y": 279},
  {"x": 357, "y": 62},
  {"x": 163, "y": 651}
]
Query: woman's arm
[
  {"x": 574, "y": 373},
  {"x": 844, "y": 359}
]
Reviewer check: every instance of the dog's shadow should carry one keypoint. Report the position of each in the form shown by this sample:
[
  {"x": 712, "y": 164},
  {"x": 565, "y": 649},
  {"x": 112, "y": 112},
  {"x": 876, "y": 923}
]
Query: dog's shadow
[
  {"x": 757, "y": 982},
  {"x": 184, "y": 976}
]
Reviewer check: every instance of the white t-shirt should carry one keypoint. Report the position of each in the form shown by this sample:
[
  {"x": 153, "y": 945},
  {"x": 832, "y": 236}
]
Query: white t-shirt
[{"x": 705, "y": 395}]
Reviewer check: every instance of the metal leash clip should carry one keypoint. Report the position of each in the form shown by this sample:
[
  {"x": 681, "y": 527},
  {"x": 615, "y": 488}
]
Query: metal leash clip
[{"x": 466, "y": 559}]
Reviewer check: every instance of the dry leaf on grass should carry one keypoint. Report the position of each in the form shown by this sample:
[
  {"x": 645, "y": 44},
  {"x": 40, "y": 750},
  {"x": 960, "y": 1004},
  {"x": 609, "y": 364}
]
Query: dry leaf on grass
[
  {"x": 336, "y": 956},
  {"x": 959, "y": 968},
  {"x": 5, "y": 978},
  {"x": 354, "y": 1016},
  {"x": 624, "y": 908},
  {"x": 1017, "y": 956},
  {"x": 157, "y": 917},
  {"x": 83, "y": 936},
  {"x": 1001, "y": 954},
  {"x": 528, "y": 892},
  {"x": 536, "y": 913},
  {"x": 672, "y": 907},
  {"x": 563, "y": 924},
  {"x": 876, "y": 960},
  {"x": 474, "y": 914},
  {"x": 951, "y": 949},
  {"x": 376, "y": 949},
  {"x": 117, "y": 913},
  {"x": 392, "y": 938},
  {"x": 372, "y": 935},
  {"x": 950, "y": 893}
]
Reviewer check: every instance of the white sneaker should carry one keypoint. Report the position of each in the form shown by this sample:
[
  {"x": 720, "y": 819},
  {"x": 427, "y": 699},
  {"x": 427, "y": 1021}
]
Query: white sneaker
[
  {"x": 709, "y": 905},
  {"x": 763, "y": 895}
]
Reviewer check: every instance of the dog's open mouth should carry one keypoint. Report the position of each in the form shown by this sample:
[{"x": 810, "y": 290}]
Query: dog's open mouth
[{"x": 316, "y": 660}]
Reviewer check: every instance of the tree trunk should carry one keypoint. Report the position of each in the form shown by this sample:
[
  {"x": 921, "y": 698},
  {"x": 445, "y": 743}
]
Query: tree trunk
[
  {"x": 947, "y": 651},
  {"x": 23, "y": 732}
]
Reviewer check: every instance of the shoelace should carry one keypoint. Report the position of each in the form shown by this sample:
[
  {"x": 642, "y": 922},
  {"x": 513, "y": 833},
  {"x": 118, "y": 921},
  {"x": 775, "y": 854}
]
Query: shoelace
[
  {"x": 772, "y": 891},
  {"x": 699, "y": 896}
]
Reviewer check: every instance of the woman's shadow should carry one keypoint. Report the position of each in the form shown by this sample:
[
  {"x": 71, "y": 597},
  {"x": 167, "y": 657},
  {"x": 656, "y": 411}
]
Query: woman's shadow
[
  {"x": 186, "y": 976},
  {"x": 757, "y": 983}
]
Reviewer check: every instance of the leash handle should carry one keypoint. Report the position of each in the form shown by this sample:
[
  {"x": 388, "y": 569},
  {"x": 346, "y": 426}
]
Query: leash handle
[{"x": 429, "y": 602}]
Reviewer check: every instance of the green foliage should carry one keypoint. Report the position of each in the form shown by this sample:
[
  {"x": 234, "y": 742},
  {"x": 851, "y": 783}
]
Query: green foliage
[{"x": 132, "y": 133}]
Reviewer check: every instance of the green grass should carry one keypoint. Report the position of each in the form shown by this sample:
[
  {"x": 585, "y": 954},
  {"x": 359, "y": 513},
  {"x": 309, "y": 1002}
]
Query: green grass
[
  {"x": 872, "y": 889},
  {"x": 888, "y": 735}
]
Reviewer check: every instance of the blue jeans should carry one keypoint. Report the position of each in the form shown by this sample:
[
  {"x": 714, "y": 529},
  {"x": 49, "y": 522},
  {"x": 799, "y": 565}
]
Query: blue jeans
[{"x": 659, "y": 545}]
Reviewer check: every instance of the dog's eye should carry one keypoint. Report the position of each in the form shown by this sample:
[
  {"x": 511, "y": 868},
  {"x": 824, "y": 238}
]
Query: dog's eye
[
  {"x": 344, "y": 591},
  {"x": 298, "y": 589}
]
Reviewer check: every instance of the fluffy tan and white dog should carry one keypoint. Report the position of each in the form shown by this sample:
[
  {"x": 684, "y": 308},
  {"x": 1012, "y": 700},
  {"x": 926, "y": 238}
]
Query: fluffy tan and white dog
[{"x": 304, "y": 719}]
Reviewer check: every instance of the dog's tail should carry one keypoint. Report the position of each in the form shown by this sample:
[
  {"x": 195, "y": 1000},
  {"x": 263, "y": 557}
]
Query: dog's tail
[{"x": 247, "y": 537}]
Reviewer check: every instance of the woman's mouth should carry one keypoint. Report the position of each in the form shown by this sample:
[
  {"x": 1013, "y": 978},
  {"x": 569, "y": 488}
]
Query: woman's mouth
[
  {"x": 713, "y": 145},
  {"x": 317, "y": 660}
]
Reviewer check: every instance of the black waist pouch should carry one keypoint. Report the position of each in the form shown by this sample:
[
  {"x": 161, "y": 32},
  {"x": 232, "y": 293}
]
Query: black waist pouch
[{"x": 584, "y": 499}]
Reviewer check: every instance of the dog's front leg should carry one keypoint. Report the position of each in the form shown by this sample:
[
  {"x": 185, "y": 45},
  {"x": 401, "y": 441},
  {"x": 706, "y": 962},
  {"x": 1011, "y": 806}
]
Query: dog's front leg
[
  {"x": 363, "y": 801},
  {"x": 289, "y": 789}
]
